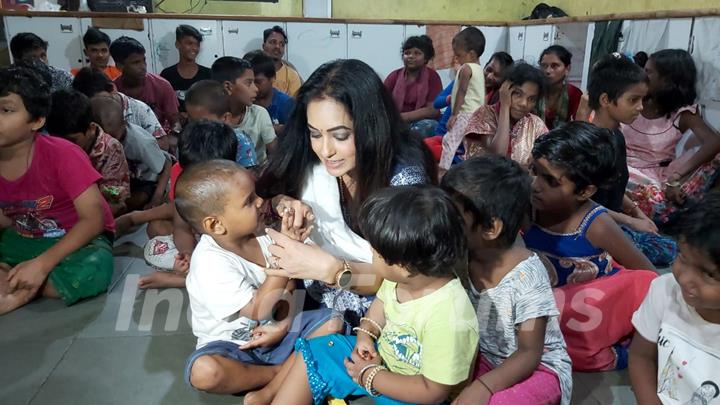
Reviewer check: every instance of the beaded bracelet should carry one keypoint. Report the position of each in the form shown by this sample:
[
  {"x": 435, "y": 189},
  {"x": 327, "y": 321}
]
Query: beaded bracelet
[
  {"x": 375, "y": 324},
  {"x": 362, "y": 371},
  {"x": 370, "y": 379},
  {"x": 359, "y": 329}
]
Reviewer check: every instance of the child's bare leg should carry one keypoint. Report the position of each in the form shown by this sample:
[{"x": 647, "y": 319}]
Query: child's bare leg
[
  {"x": 4, "y": 284},
  {"x": 220, "y": 375},
  {"x": 266, "y": 395},
  {"x": 162, "y": 279},
  {"x": 159, "y": 227},
  {"x": 296, "y": 389}
]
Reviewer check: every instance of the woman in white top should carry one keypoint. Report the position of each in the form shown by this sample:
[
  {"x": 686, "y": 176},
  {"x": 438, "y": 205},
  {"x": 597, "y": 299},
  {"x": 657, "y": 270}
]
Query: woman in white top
[{"x": 344, "y": 140}]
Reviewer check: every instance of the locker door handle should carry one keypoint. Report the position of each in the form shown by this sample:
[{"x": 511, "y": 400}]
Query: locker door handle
[
  {"x": 546, "y": 36},
  {"x": 357, "y": 34},
  {"x": 206, "y": 31},
  {"x": 334, "y": 33},
  {"x": 234, "y": 31},
  {"x": 520, "y": 36},
  {"x": 66, "y": 28}
]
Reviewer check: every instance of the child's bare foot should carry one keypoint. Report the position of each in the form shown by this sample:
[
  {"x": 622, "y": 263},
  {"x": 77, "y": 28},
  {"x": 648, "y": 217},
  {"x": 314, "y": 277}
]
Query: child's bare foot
[
  {"x": 259, "y": 397},
  {"x": 162, "y": 279}
]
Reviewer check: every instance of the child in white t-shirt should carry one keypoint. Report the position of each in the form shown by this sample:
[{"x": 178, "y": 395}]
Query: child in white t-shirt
[
  {"x": 244, "y": 331},
  {"x": 675, "y": 355}
]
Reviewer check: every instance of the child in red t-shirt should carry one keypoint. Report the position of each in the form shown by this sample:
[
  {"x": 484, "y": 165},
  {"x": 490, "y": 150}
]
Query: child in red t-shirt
[{"x": 55, "y": 226}]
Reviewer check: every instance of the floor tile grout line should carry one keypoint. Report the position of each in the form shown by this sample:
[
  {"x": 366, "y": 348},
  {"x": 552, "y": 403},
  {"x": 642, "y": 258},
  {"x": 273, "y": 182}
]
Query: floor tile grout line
[
  {"x": 121, "y": 276},
  {"x": 47, "y": 377}
]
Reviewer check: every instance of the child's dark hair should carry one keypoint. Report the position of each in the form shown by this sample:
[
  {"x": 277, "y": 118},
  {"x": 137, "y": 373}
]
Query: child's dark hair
[
  {"x": 25, "y": 42},
  {"x": 204, "y": 140},
  {"x": 521, "y": 73},
  {"x": 679, "y": 74},
  {"x": 71, "y": 113},
  {"x": 123, "y": 47},
  {"x": 470, "y": 39},
  {"x": 422, "y": 42},
  {"x": 585, "y": 152},
  {"x": 94, "y": 36},
  {"x": 261, "y": 63},
  {"x": 278, "y": 29},
  {"x": 430, "y": 241},
  {"x": 39, "y": 67},
  {"x": 561, "y": 52},
  {"x": 698, "y": 225},
  {"x": 106, "y": 110},
  {"x": 503, "y": 58},
  {"x": 32, "y": 89},
  {"x": 184, "y": 30},
  {"x": 641, "y": 58},
  {"x": 614, "y": 74},
  {"x": 91, "y": 81},
  {"x": 209, "y": 94},
  {"x": 491, "y": 187},
  {"x": 201, "y": 190},
  {"x": 229, "y": 68}
]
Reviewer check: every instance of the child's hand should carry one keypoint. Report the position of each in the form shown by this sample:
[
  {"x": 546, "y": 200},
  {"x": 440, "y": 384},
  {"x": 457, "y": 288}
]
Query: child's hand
[
  {"x": 28, "y": 275},
  {"x": 267, "y": 335},
  {"x": 506, "y": 94},
  {"x": 583, "y": 112},
  {"x": 365, "y": 347},
  {"x": 451, "y": 122},
  {"x": 642, "y": 223},
  {"x": 288, "y": 228},
  {"x": 123, "y": 223},
  {"x": 473, "y": 394},
  {"x": 5, "y": 222},
  {"x": 355, "y": 364},
  {"x": 182, "y": 263}
]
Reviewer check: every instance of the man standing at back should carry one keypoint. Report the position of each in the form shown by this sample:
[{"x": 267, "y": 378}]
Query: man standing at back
[
  {"x": 97, "y": 50},
  {"x": 138, "y": 83},
  {"x": 287, "y": 79},
  {"x": 187, "y": 71}
]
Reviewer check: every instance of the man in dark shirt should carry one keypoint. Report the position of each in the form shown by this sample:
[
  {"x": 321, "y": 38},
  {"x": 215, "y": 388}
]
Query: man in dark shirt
[{"x": 186, "y": 72}]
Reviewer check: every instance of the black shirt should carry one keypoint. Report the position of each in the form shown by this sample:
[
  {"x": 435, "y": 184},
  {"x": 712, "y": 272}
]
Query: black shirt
[
  {"x": 611, "y": 197},
  {"x": 180, "y": 84}
]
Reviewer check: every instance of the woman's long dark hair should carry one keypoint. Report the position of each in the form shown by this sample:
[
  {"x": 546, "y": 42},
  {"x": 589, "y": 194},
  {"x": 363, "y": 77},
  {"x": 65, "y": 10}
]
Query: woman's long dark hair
[{"x": 381, "y": 137}]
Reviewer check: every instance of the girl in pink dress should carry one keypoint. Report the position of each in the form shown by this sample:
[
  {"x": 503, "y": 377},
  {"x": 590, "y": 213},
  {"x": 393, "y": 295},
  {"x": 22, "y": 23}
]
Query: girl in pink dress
[{"x": 660, "y": 180}]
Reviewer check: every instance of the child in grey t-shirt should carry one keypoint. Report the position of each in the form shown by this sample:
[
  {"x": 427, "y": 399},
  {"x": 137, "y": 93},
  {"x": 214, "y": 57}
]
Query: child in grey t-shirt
[{"x": 522, "y": 354}]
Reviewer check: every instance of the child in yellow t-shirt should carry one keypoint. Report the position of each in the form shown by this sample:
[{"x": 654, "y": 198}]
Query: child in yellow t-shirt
[{"x": 418, "y": 339}]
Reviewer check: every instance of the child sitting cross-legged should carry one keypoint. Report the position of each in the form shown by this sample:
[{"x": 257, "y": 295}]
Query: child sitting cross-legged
[
  {"x": 55, "y": 226},
  {"x": 522, "y": 356},
  {"x": 418, "y": 340},
  {"x": 241, "y": 345},
  {"x": 675, "y": 355},
  {"x": 583, "y": 247}
]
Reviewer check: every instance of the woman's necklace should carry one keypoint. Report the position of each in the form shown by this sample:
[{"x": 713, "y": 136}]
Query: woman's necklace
[{"x": 345, "y": 202}]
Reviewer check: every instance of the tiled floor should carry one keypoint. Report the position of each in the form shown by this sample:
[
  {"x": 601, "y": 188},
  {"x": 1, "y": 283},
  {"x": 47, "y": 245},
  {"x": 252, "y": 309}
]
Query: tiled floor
[{"x": 129, "y": 347}]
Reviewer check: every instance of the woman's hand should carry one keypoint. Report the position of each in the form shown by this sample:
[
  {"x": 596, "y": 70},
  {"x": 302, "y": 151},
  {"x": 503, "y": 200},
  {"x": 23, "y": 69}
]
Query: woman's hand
[
  {"x": 303, "y": 214},
  {"x": 303, "y": 261},
  {"x": 506, "y": 94}
]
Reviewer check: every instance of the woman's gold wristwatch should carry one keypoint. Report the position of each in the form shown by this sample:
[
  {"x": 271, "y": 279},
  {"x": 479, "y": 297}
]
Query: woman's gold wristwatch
[{"x": 343, "y": 276}]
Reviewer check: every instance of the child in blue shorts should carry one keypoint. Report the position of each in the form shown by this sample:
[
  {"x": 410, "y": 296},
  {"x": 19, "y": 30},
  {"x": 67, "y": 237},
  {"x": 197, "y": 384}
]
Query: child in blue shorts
[
  {"x": 417, "y": 342},
  {"x": 244, "y": 332}
]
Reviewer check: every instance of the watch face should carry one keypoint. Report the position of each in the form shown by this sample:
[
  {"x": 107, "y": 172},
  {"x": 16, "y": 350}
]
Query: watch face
[{"x": 344, "y": 279}]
